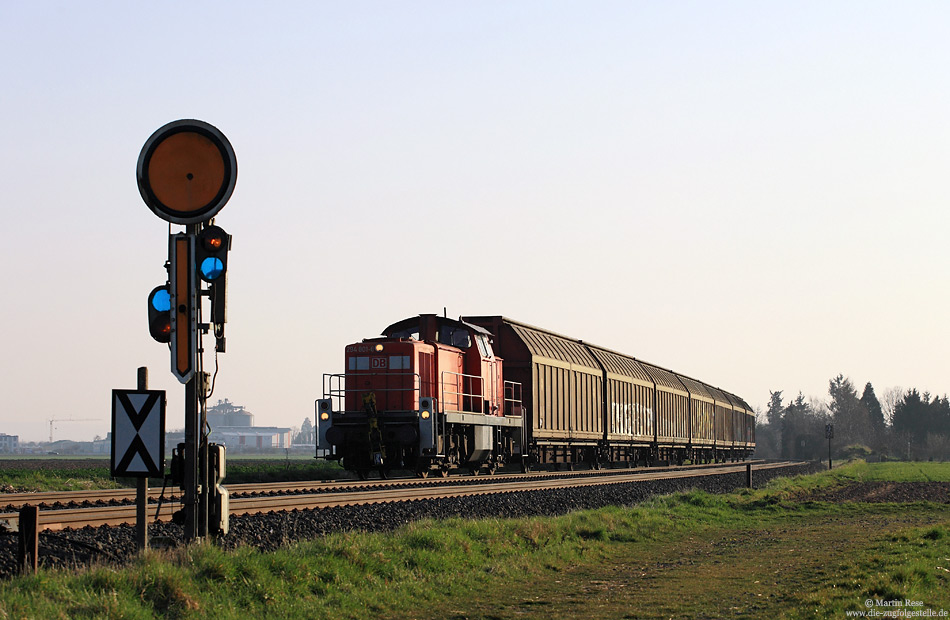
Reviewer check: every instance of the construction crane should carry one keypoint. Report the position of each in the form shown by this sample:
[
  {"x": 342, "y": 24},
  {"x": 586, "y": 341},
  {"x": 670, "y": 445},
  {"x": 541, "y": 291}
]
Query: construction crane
[{"x": 55, "y": 420}]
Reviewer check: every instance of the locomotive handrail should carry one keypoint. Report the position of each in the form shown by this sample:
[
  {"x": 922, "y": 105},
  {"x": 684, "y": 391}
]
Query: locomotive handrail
[
  {"x": 459, "y": 386},
  {"x": 513, "y": 402},
  {"x": 334, "y": 387},
  {"x": 471, "y": 387}
]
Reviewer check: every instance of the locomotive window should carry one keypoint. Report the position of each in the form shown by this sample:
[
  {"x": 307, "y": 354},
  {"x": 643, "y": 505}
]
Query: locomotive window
[
  {"x": 407, "y": 333},
  {"x": 399, "y": 362},
  {"x": 484, "y": 346},
  {"x": 359, "y": 363},
  {"x": 455, "y": 337}
]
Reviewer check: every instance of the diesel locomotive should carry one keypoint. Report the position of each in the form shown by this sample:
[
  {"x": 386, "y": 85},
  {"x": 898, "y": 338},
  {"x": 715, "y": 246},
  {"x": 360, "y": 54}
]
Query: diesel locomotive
[{"x": 435, "y": 393}]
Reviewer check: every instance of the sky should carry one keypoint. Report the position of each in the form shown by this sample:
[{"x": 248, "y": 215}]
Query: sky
[{"x": 751, "y": 193}]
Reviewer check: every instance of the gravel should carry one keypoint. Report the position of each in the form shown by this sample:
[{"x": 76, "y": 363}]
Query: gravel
[{"x": 114, "y": 545}]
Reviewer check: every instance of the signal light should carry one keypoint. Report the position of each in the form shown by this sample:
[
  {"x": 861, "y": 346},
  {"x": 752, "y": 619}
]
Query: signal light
[
  {"x": 212, "y": 253},
  {"x": 159, "y": 314},
  {"x": 211, "y": 258}
]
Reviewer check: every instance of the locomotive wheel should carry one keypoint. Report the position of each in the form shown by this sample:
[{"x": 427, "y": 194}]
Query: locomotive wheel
[
  {"x": 492, "y": 468},
  {"x": 423, "y": 473},
  {"x": 474, "y": 470}
]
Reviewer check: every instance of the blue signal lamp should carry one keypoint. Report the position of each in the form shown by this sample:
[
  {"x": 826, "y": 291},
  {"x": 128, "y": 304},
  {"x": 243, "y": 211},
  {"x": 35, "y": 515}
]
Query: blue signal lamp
[{"x": 211, "y": 268}]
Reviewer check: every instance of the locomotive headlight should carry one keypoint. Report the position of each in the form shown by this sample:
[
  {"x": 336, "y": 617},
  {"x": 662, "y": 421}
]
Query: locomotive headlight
[
  {"x": 425, "y": 415},
  {"x": 379, "y": 347},
  {"x": 324, "y": 416}
]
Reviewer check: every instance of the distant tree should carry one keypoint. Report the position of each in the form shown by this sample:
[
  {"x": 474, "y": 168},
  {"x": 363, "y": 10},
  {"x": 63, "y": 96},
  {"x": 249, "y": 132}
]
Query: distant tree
[
  {"x": 875, "y": 415},
  {"x": 921, "y": 426},
  {"x": 910, "y": 417},
  {"x": 768, "y": 431},
  {"x": 802, "y": 430},
  {"x": 889, "y": 401},
  {"x": 849, "y": 414},
  {"x": 941, "y": 415},
  {"x": 776, "y": 409},
  {"x": 306, "y": 434}
]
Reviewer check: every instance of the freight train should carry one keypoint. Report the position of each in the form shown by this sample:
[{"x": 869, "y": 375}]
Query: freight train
[{"x": 434, "y": 394}]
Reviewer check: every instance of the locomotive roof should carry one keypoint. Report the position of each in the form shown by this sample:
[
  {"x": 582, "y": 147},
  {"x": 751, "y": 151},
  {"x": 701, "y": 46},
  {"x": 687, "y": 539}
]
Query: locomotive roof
[{"x": 441, "y": 320}]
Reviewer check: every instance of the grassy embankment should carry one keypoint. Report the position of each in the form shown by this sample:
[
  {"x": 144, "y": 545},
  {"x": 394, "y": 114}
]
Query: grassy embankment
[{"x": 751, "y": 554}]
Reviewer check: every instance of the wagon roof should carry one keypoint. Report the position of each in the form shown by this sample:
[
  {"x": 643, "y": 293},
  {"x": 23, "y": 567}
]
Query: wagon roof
[{"x": 545, "y": 343}]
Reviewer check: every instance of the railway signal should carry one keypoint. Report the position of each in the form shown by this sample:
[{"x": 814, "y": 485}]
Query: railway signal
[
  {"x": 186, "y": 173},
  {"x": 212, "y": 249},
  {"x": 212, "y": 257},
  {"x": 159, "y": 314}
]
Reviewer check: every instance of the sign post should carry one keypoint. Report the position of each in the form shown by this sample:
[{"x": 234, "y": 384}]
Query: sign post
[
  {"x": 829, "y": 434},
  {"x": 138, "y": 443}
]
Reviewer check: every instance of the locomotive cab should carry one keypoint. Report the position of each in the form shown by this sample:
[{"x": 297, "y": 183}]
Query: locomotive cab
[
  {"x": 429, "y": 394},
  {"x": 467, "y": 374}
]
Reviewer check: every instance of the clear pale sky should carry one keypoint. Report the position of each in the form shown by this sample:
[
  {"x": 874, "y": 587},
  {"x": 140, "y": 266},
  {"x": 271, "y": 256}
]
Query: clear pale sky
[{"x": 752, "y": 193}]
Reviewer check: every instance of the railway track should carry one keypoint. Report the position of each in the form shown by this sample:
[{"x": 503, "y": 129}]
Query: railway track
[
  {"x": 259, "y": 498},
  {"x": 55, "y": 500}
]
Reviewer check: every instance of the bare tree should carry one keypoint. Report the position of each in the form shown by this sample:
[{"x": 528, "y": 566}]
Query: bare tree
[{"x": 889, "y": 401}]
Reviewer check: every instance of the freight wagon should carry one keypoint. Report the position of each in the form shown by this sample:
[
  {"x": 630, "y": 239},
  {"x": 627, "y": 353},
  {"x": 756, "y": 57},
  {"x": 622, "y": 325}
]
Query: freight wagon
[{"x": 435, "y": 393}]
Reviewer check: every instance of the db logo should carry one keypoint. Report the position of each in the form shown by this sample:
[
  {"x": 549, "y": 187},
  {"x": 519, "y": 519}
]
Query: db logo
[{"x": 377, "y": 362}]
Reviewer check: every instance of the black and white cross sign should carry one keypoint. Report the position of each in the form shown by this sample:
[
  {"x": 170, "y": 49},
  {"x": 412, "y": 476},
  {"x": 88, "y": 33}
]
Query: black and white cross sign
[{"x": 138, "y": 433}]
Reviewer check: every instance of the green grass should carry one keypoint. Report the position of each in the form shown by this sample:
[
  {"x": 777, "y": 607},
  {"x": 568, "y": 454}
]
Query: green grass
[
  {"x": 19, "y": 480},
  {"x": 51, "y": 478},
  {"x": 914, "y": 471},
  {"x": 749, "y": 554},
  {"x": 292, "y": 470}
]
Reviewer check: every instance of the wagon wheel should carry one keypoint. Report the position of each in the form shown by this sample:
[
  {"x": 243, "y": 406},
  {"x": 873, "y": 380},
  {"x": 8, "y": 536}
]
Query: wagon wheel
[
  {"x": 422, "y": 473},
  {"x": 492, "y": 468},
  {"x": 383, "y": 474},
  {"x": 444, "y": 471},
  {"x": 362, "y": 474}
]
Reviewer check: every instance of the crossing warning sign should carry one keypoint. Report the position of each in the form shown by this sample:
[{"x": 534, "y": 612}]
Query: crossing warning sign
[{"x": 138, "y": 433}]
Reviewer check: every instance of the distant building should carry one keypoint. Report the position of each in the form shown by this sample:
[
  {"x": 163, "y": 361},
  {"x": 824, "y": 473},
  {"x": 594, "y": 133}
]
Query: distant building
[
  {"x": 233, "y": 426},
  {"x": 9, "y": 443},
  {"x": 251, "y": 439},
  {"x": 226, "y": 413}
]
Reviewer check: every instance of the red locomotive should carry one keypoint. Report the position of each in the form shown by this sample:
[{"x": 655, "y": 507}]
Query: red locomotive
[{"x": 432, "y": 394}]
